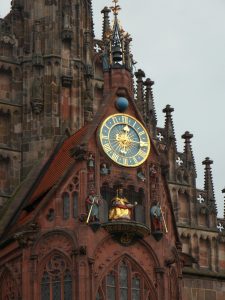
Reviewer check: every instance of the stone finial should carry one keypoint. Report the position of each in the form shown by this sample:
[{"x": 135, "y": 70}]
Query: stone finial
[
  {"x": 149, "y": 83},
  {"x": 188, "y": 153},
  {"x": 16, "y": 4},
  {"x": 168, "y": 110},
  {"x": 207, "y": 162},
  {"x": 140, "y": 74},
  {"x": 106, "y": 22},
  {"x": 187, "y": 136},
  {"x": 208, "y": 185},
  {"x": 169, "y": 129},
  {"x": 150, "y": 116}
]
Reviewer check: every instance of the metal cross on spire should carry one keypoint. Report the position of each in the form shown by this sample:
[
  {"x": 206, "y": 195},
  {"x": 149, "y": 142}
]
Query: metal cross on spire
[{"x": 116, "y": 8}]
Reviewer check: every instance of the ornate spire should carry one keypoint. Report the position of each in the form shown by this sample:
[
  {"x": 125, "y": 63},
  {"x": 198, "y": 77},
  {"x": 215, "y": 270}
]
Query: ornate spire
[
  {"x": 140, "y": 90},
  {"x": 208, "y": 186},
  {"x": 106, "y": 23},
  {"x": 189, "y": 161},
  {"x": 117, "y": 36},
  {"x": 116, "y": 42},
  {"x": 169, "y": 129},
  {"x": 223, "y": 191},
  {"x": 150, "y": 116}
]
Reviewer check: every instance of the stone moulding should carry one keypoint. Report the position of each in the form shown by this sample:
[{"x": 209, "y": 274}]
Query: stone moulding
[{"x": 126, "y": 232}]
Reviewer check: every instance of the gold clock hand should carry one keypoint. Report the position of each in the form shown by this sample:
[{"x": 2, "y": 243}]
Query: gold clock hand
[{"x": 142, "y": 144}]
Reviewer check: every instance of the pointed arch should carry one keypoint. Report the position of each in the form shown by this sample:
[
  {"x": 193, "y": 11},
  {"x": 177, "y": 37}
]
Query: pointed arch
[
  {"x": 174, "y": 285},
  {"x": 9, "y": 286},
  {"x": 56, "y": 277},
  {"x": 124, "y": 278},
  {"x": 184, "y": 206}
]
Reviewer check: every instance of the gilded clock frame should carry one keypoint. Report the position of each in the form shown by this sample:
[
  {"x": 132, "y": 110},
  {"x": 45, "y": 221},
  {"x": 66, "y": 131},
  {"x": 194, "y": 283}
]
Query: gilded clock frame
[{"x": 100, "y": 137}]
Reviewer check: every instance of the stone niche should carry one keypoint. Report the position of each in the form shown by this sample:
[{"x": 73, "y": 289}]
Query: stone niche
[
  {"x": 5, "y": 84},
  {"x": 184, "y": 207},
  {"x": 4, "y": 174},
  {"x": 5, "y": 118}
]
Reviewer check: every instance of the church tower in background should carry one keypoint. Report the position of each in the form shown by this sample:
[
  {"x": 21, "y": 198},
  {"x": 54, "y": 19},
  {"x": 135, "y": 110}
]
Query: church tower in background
[{"x": 46, "y": 76}]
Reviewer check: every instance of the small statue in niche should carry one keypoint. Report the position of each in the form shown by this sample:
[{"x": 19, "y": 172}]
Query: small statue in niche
[
  {"x": 51, "y": 215},
  {"x": 37, "y": 106},
  {"x": 105, "y": 60},
  {"x": 37, "y": 88},
  {"x": 91, "y": 161},
  {"x": 93, "y": 202},
  {"x": 104, "y": 170},
  {"x": 153, "y": 171},
  {"x": 66, "y": 18},
  {"x": 37, "y": 95},
  {"x": 121, "y": 208},
  {"x": 156, "y": 217},
  {"x": 141, "y": 175}
]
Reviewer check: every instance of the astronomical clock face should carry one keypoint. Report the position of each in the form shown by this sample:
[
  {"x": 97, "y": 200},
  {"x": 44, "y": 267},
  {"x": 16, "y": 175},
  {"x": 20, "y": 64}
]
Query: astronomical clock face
[{"x": 124, "y": 140}]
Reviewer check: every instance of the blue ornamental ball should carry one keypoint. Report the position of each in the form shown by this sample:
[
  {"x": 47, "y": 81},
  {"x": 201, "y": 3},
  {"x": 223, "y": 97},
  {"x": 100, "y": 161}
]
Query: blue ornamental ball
[{"x": 122, "y": 104}]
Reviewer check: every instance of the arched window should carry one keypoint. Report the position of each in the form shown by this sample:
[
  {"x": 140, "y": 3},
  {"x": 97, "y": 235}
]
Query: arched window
[
  {"x": 8, "y": 287},
  {"x": 75, "y": 205},
  {"x": 45, "y": 286},
  {"x": 66, "y": 206},
  {"x": 136, "y": 288},
  {"x": 124, "y": 282},
  {"x": 111, "y": 286},
  {"x": 56, "y": 281}
]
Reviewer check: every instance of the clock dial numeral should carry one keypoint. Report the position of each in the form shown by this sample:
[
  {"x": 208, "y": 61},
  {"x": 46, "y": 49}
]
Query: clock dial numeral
[
  {"x": 135, "y": 160},
  {"x": 125, "y": 119},
  {"x": 115, "y": 120},
  {"x": 125, "y": 161},
  {"x": 125, "y": 140},
  {"x": 107, "y": 147},
  {"x": 143, "y": 144},
  {"x": 142, "y": 153},
  {"x": 115, "y": 156}
]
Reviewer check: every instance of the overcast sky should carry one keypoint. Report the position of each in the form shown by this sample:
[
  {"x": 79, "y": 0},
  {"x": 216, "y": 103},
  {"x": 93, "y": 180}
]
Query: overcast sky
[{"x": 180, "y": 45}]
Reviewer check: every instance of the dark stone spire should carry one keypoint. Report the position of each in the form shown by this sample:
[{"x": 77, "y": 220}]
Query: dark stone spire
[
  {"x": 169, "y": 129},
  {"x": 16, "y": 4},
  {"x": 223, "y": 191},
  {"x": 140, "y": 90},
  {"x": 208, "y": 186},
  {"x": 150, "y": 113},
  {"x": 116, "y": 53},
  {"x": 117, "y": 44},
  {"x": 106, "y": 23},
  {"x": 188, "y": 157}
]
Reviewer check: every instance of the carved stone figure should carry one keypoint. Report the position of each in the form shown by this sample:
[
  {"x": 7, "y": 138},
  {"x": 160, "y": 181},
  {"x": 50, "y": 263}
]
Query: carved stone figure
[
  {"x": 93, "y": 202},
  {"x": 121, "y": 208},
  {"x": 37, "y": 95},
  {"x": 66, "y": 18},
  {"x": 156, "y": 217},
  {"x": 105, "y": 60},
  {"x": 104, "y": 170}
]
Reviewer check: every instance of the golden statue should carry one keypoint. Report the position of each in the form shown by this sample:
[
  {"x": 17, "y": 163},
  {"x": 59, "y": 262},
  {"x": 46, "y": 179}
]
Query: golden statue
[{"x": 121, "y": 208}]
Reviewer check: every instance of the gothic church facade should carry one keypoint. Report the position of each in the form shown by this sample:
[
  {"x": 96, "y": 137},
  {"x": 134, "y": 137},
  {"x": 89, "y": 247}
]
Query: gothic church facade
[{"x": 96, "y": 202}]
